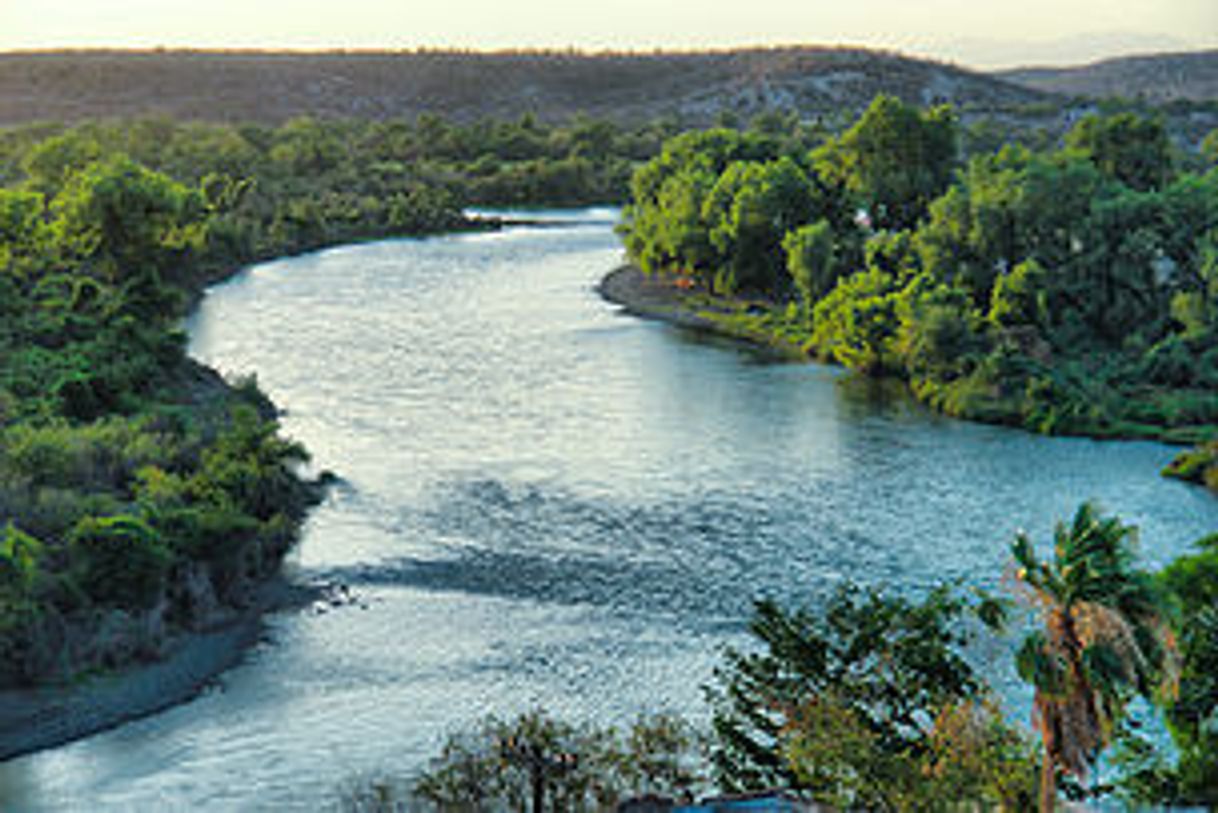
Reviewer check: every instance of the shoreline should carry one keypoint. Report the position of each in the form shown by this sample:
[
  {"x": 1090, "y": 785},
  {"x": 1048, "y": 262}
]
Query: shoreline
[
  {"x": 45, "y": 717},
  {"x": 657, "y": 298}
]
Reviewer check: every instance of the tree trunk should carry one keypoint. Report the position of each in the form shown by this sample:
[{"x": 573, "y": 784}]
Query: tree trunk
[
  {"x": 1048, "y": 784},
  {"x": 539, "y": 788}
]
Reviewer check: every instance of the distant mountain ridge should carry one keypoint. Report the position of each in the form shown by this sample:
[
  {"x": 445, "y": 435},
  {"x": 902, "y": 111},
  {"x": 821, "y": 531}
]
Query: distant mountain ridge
[
  {"x": 695, "y": 87},
  {"x": 1157, "y": 78}
]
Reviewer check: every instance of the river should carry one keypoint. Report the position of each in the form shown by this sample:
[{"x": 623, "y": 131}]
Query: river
[{"x": 547, "y": 502}]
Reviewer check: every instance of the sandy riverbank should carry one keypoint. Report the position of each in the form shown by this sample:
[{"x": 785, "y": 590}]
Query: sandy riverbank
[{"x": 46, "y": 717}]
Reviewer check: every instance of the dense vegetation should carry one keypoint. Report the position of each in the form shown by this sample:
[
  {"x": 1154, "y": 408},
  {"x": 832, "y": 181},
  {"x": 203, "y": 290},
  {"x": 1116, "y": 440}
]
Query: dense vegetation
[
  {"x": 1072, "y": 290},
  {"x": 270, "y": 191},
  {"x": 140, "y": 495},
  {"x": 872, "y": 701}
]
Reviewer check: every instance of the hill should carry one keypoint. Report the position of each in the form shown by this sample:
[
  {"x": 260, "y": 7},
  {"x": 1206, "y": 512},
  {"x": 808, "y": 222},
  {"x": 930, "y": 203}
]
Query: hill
[
  {"x": 696, "y": 88},
  {"x": 1156, "y": 78}
]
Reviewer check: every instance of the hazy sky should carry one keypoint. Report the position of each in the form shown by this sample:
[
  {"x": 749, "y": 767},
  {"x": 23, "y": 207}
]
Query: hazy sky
[{"x": 978, "y": 32}]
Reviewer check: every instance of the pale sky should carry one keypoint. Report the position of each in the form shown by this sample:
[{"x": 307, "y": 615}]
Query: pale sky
[{"x": 983, "y": 33}]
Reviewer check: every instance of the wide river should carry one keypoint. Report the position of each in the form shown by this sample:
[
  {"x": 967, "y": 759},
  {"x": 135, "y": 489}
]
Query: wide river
[{"x": 547, "y": 502}]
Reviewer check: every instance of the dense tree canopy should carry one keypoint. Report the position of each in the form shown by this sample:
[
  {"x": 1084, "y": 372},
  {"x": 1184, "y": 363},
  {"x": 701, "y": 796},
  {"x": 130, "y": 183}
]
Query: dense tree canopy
[{"x": 1069, "y": 290}]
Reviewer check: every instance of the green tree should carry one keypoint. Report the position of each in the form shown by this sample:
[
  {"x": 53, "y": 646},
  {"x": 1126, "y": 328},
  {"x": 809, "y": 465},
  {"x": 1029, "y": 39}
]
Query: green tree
[
  {"x": 882, "y": 666},
  {"x": 121, "y": 560},
  {"x": 20, "y": 556},
  {"x": 812, "y": 261},
  {"x": 1132, "y": 149},
  {"x": 1209, "y": 147},
  {"x": 895, "y": 159},
  {"x": 971, "y": 757},
  {"x": 940, "y": 336},
  {"x": 50, "y": 163},
  {"x": 750, "y": 210},
  {"x": 1019, "y": 298},
  {"x": 665, "y": 225},
  {"x": 1103, "y": 638},
  {"x": 23, "y": 233},
  {"x": 976, "y": 231},
  {"x": 127, "y": 223},
  {"x": 537, "y": 762},
  {"x": 1193, "y": 714},
  {"x": 857, "y": 323}
]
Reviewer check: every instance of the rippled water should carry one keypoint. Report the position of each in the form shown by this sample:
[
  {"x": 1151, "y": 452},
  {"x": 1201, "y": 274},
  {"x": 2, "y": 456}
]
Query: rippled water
[{"x": 548, "y": 502}]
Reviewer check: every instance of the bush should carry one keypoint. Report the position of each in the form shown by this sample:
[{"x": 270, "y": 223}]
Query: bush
[
  {"x": 119, "y": 560},
  {"x": 504, "y": 764},
  {"x": 878, "y": 668}
]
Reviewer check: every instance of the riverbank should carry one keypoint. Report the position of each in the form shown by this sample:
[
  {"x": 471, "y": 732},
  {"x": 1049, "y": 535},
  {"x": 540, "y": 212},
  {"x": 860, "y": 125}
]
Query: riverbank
[
  {"x": 672, "y": 299},
  {"x": 663, "y": 298},
  {"x": 189, "y": 658},
  {"x": 50, "y": 716}
]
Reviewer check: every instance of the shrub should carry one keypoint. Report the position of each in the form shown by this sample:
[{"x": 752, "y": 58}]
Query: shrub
[{"x": 119, "y": 560}]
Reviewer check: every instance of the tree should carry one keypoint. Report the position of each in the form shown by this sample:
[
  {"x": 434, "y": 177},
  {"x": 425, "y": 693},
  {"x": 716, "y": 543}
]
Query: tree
[
  {"x": 1132, "y": 149},
  {"x": 975, "y": 232},
  {"x": 749, "y": 211},
  {"x": 895, "y": 159},
  {"x": 1209, "y": 147},
  {"x": 536, "y": 762},
  {"x": 857, "y": 324},
  {"x": 22, "y": 232},
  {"x": 879, "y": 665},
  {"x": 940, "y": 336},
  {"x": 666, "y": 225},
  {"x": 1019, "y": 298},
  {"x": 128, "y": 223},
  {"x": 1104, "y": 638},
  {"x": 51, "y": 162},
  {"x": 1193, "y": 714},
  {"x": 811, "y": 261},
  {"x": 121, "y": 560}
]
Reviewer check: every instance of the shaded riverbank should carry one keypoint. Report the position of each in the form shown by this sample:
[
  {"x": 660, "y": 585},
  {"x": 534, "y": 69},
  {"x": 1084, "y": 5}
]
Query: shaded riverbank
[{"x": 45, "y": 717}]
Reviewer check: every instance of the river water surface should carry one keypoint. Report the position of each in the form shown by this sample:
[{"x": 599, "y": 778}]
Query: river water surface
[{"x": 547, "y": 502}]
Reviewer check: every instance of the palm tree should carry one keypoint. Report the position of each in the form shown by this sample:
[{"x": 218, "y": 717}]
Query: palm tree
[{"x": 1105, "y": 638}]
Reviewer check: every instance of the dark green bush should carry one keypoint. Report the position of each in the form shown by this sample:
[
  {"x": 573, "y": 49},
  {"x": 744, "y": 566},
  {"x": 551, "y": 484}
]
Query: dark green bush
[{"x": 119, "y": 560}]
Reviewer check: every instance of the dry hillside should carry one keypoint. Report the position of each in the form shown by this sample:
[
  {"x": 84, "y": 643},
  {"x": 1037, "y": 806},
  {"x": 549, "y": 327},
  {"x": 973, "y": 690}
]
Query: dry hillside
[
  {"x": 1156, "y": 78},
  {"x": 273, "y": 87}
]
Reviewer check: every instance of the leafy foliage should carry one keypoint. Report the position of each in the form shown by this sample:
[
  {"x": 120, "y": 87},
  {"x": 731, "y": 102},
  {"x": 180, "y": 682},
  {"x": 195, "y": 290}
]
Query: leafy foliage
[
  {"x": 505, "y": 764},
  {"x": 1066, "y": 291},
  {"x": 895, "y": 160},
  {"x": 1193, "y": 714},
  {"x": 855, "y": 705}
]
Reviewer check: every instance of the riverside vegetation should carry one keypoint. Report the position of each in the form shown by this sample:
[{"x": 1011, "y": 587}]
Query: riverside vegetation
[
  {"x": 1072, "y": 290},
  {"x": 1067, "y": 291},
  {"x": 141, "y": 496}
]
